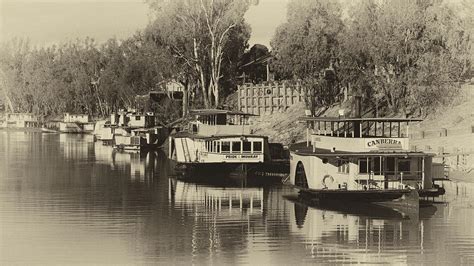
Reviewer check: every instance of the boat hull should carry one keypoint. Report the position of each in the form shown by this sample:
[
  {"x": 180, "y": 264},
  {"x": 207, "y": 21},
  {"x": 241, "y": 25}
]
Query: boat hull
[
  {"x": 271, "y": 171},
  {"x": 405, "y": 199}
]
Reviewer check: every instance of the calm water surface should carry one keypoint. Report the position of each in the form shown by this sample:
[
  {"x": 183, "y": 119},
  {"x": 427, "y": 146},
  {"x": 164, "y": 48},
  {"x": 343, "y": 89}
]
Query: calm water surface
[{"x": 65, "y": 199}]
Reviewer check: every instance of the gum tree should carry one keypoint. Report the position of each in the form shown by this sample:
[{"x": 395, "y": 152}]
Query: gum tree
[{"x": 198, "y": 33}]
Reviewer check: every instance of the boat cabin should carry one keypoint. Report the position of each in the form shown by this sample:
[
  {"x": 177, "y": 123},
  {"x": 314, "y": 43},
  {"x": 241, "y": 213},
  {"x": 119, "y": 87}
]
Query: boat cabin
[
  {"x": 210, "y": 122},
  {"x": 76, "y": 118},
  {"x": 218, "y": 136},
  {"x": 133, "y": 119},
  {"x": 21, "y": 120},
  {"x": 359, "y": 153}
]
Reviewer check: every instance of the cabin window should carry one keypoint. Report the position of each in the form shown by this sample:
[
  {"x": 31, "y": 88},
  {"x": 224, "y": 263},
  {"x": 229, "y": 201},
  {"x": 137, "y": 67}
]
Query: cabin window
[
  {"x": 246, "y": 146},
  {"x": 343, "y": 166},
  {"x": 390, "y": 165},
  {"x": 377, "y": 166},
  {"x": 137, "y": 117},
  {"x": 372, "y": 165},
  {"x": 225, "y": 146},
  {"x": 364, "y": 166},
  {"x": 218, "y": 146},
  {"x": 404, "y": 165},
  {"x": 236, "y": 145},
  {"x": 257, "y": 146}
]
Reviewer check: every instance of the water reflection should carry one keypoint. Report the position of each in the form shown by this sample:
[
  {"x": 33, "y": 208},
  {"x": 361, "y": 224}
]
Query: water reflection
[
  {"x": 330, "y": 232},
  {"x": 66, "y": 199}
]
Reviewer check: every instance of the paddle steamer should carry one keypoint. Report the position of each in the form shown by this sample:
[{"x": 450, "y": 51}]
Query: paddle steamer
[
  {"x": 221, "y": 142},
  {"x": 360, "y": 159}
]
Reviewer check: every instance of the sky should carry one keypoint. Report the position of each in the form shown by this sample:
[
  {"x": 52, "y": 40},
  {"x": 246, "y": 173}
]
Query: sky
[{"x": 46, "y": 22}]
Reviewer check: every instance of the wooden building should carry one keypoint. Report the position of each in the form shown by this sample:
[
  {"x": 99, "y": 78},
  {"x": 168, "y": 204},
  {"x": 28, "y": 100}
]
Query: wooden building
[{"x": 266, "y": 98}]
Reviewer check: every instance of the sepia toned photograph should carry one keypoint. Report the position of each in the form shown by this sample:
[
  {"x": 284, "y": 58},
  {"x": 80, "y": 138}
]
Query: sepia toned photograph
[{"x": 236, "y": 132}]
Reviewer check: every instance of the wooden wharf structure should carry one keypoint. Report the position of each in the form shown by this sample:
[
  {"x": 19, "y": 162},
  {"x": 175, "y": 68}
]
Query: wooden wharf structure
[{"x": 269, "y": 97}]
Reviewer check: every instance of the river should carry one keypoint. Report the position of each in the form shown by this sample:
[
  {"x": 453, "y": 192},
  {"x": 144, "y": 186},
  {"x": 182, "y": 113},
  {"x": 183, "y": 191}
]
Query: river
[{"x": 67, "y": 200}]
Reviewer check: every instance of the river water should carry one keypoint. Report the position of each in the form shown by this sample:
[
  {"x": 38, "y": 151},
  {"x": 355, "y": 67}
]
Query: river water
[{"x": 65, "y": 200}]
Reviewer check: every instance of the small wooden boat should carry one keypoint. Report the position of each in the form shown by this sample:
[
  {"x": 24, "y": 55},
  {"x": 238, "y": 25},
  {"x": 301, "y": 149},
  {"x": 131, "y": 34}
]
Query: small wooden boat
[{"x": 47, "y": 130}]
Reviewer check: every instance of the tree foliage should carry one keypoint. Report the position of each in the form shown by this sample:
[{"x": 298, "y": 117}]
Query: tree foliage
[
  {"x": 403, "y": 54},
  {"x": 207, "y": 37},
  {"x": 81, "y": 76}
]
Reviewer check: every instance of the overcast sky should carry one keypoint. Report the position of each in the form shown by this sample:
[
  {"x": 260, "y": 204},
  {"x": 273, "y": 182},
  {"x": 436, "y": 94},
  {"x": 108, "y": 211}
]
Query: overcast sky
[{"x": 46, "y": 22}]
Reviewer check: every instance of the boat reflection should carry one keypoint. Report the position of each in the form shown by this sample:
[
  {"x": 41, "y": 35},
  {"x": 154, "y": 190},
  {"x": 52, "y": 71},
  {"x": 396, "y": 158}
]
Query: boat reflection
[
  {"x": 222, "y": 200},
  {"x": 332, "y": 229},
  {"x": 76, "y": 146},
  {"x": 142, "y": 166}
]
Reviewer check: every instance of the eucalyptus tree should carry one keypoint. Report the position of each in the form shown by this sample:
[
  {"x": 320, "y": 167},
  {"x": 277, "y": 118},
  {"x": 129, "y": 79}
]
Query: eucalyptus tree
[
  {"x": 405, "y": 54},
  {"x": 199, "y": 33},
  {"x": 307, "y": 44}
]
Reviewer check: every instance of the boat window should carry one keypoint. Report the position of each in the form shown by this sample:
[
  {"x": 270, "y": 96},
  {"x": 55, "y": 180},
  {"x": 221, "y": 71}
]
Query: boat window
[
  {"x": 364, "y": 166},
  {"x": 257, "y": 146},
  {"x": 137, "y": 117},
  {"x": 218, "y": 146},
  {"x": 377, "y": 166},
  {"x": 390, "y": 165},
  {"x": 404, "y": 165},
  {"x": 343, "y": 166},
  {"x": 246, "y": 146},
  {"x": 236, "y": 145},
  {"x": 225, "y": 146}
]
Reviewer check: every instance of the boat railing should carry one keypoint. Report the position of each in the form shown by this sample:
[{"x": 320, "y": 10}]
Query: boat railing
[
  {"x": 359, "y": 127},
  {"x": 397, "y": 181}
]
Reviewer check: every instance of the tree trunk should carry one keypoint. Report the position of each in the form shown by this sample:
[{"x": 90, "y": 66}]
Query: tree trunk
[
  {"x": 3, "y": 84},
  {"x": 200, "y": 70},
  {"x": 185, "y": 98},
  {"x": 216, "y": 97}
]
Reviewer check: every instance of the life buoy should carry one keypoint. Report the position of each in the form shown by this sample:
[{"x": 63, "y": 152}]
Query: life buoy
[{"x": 326, "y": 177}]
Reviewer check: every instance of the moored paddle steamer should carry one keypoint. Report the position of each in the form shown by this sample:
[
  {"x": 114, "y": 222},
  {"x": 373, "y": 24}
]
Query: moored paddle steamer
[
  {"x": 361, "y": 159},
  {"x": 221, "y": 142}
]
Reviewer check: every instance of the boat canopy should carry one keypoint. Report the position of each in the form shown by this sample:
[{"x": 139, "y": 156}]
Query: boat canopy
[
  {"x": 302, "y": 149},
  {"x": 358, "y": 119},
  {"x": 221, "y": 117},
  {"x": 359, "y": 127}
]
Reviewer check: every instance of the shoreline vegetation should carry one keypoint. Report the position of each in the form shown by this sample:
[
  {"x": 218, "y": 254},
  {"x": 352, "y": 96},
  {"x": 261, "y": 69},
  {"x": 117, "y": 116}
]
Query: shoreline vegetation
[{"x": 407, "y": 58}]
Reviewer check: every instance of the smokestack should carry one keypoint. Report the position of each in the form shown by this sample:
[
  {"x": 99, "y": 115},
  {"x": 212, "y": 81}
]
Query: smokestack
[{"x": 357, "y": 106}]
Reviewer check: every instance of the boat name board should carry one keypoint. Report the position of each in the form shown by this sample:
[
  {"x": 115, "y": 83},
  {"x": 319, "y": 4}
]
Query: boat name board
[
  {"x": 243, "y": 156},
  {"x": 384, "y": 143}
]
